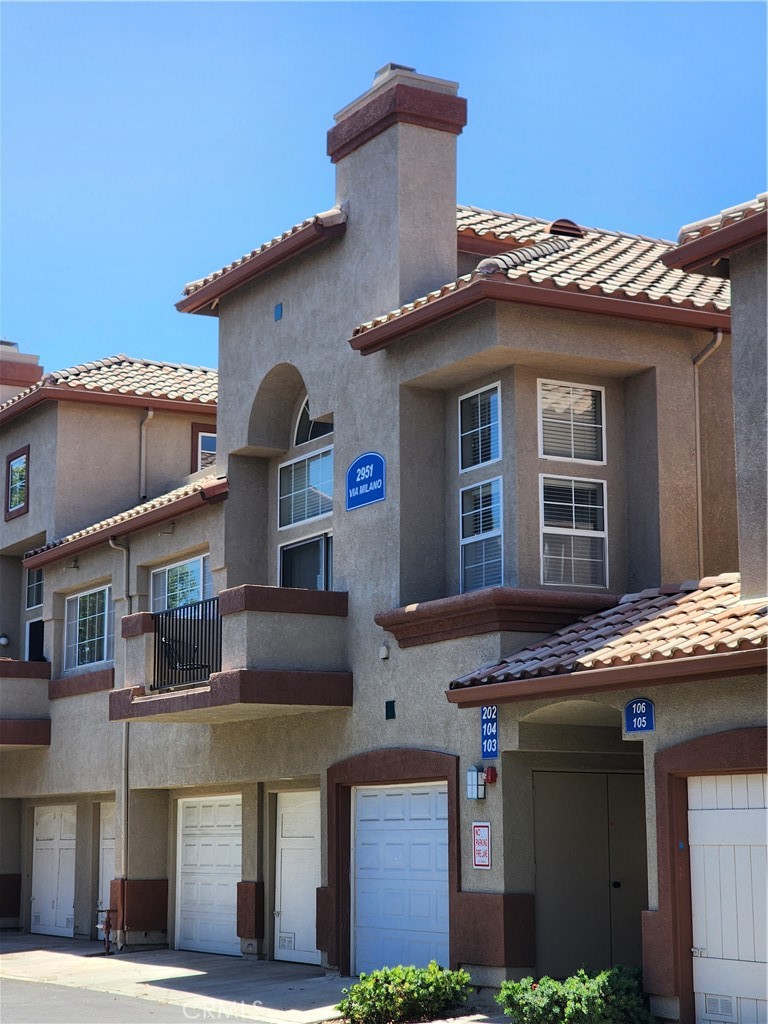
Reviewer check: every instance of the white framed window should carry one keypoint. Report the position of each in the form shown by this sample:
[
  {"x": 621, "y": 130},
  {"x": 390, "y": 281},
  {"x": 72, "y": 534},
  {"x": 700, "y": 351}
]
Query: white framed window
[
  {"x": 306, "y": 488},
  {"x": 308, "y": 429},
  {"x": 182, "y": 583},
  {"x": 17, "y": 483},
  {"x": 307, "y": 564},
  {"x": 481, "y": 536},
  {"x": 479, "y": 428},
  {"x": 34, "y": 588},
  {"x": 571, "y": 422},
  {"x": 574, "y": 531},
  {"x": 206, "y": 450},
  {"x": 89, "y": 628}
]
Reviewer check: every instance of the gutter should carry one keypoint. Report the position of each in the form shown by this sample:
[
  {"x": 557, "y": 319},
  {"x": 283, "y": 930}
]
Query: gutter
[
  {"x": 125, "y": 742},
  {"x": 208, "y": 495},
  {"x": 483, "y": 290},
  {"x": 617, "y": 677},
  {"x": 54, "y": 393},
  {"x": 717, "y": 245}
]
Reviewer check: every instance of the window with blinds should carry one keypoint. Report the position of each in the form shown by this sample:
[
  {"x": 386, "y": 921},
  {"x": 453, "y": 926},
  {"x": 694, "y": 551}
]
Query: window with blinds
[
  {"x": 306, "y": 488},
  {"x": 571, "y": 422},
  {"x": 479, "y": 434},
  {"x": 481, "y": 536},
  {"x": 573, "y": 532}
]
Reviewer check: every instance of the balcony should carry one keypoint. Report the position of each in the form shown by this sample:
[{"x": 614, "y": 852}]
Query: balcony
[
  {"x": 264, "y": 652},
  {"x": 25, "y": 719}
]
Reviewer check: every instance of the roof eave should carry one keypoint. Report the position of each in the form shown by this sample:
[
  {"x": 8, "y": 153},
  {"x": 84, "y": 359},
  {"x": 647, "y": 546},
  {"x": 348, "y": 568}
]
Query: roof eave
[
  {"x": 209, "y": 495},
  {"x": 59, "y": 393},
  {"x": 601, "y": 680},
  {"x": 305, "y": 238},
  {"x": 501, "y": 289},
  {"x": 717, "y": 245}
]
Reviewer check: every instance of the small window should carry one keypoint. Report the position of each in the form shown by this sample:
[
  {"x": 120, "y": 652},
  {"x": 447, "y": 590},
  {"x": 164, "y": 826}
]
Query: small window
[
  {"x": 17, "y": 483},
  {"x": 182, "y": 584},
  {"x": 89, "y": 628},
  {"x": 571, "y": 422},
  {"x": 306, "y": 488},
  {"x": 308, "y": 564},
  {"x": 573, "y": 532},
  {"x": 481, "y": 536},
  {"x": 479, "y": 441},
  {"x": 203, "y": 447},
  {"x": 34, "y": 588},
  {"x": 308, "y": 429}
]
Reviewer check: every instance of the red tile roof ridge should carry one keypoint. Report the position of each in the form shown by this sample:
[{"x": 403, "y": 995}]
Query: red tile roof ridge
[
  {"x": 546, "y": 223},
  {"x": 732, "y": 214}
]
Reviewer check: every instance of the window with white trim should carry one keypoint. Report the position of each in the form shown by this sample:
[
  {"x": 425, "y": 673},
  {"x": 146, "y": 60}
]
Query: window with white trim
[
  {"x": 481, "y": 536},
  {"x": 17, "y": 483},
  {"x": 34, "y": 588},
  {"x": 306, "y": 488},
  {"x": 89, "y": 628},
  {"x": 308, "y": 429},
  {"x": 181, "y": 584},
  {"x": 206, "y": 450},
  {"x": 573, "y": 532},
  {"x": 571, "y": 422},
  {"x": 308, "y": 564},
  {"x": 479, "y": 435}
]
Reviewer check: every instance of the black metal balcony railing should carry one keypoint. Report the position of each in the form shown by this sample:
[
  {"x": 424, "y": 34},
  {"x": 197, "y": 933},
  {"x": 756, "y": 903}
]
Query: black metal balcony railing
[{"x": 187, "y": 644}]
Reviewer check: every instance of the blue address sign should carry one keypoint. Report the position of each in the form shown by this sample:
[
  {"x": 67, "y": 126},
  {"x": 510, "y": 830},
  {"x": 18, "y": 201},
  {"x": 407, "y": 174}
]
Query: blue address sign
[
  {"x": 640, "y": 715},
  {"x": 489, "y": 731},
  {"x": 366, "y": 481}
]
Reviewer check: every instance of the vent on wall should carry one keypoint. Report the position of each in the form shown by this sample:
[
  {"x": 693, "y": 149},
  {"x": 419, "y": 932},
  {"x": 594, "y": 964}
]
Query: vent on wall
[{"x": 721, "y": 1006}]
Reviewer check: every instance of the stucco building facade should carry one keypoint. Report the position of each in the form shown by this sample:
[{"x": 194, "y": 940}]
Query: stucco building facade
[{"x": 446, "y": 442}]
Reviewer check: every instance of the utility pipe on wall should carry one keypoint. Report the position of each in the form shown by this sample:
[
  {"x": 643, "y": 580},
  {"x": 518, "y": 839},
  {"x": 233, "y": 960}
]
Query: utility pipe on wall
[
  {"x": 143, "y": 454},
  {"x": 125, "y": 744},
  {"x": 698, "y": 360}
]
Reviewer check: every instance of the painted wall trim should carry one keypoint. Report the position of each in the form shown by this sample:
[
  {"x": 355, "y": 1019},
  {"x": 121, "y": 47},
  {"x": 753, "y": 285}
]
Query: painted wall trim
[
  {"x": 25, "y": 732},
  {"x": 53, "y": 393},
  {"x": 81, "y": 683},
  {"x": 286, "y": 600}
]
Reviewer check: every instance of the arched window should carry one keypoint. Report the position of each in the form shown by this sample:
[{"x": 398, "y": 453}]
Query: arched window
[{"x": 308, "y": 429}]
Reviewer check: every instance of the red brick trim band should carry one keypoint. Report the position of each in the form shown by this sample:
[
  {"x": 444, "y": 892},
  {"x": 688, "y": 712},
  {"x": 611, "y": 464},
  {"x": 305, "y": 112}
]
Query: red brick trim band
[
  {"x": 250, "y": 910},
  {"x": 82, "y": 683},
  {"x": 19, "y": 375},
  {"x": 496, "y": 929},
  {"x": 668, "y": 931},
  {"x": 252, "y": 598},
  {"x": 12, "y": 669},
  {"x": 373, "y": 339},
  {"x": 602, "y": 680},
  {"x": 719, "y": 244},
  {"x": 25, "y": 732},
  {"x": 280, "y": 689},
  {"x": 136, "y": 624},
  {"x": 402, "y": 104},
  {"x": 489, "y": 611}
]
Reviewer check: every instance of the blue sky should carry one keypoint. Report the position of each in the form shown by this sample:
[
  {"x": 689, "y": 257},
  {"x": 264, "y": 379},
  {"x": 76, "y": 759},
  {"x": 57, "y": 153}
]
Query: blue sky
[{"x": 146, "y": 144}]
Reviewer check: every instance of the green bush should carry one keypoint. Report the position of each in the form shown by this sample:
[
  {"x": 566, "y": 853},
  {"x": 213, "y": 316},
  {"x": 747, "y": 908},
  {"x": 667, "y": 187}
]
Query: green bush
[
  {"x": 613, "y": 996},
  {"x": 404, "y": 994}
]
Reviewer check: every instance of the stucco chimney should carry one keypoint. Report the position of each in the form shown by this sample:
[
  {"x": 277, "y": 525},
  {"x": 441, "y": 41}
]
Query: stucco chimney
[
  {"x": 18, "y": 370},
  {"x": 395, "y": 154}
]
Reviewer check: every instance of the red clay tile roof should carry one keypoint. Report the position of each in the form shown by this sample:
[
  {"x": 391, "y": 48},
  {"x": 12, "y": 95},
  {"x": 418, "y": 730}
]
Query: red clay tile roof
[
  {"x": 666, "y": 624},
  {"x": 173, "y": 503},
  {"x": 699, "y": 228},
  {"x": 607, "y": 263},
  {"x": 126, "y": 376}
]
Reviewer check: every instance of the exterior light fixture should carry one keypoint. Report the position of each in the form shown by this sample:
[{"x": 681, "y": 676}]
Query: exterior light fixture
[
  {"x": 475, "y": 783},
  {"x": 4, "y": 641}
]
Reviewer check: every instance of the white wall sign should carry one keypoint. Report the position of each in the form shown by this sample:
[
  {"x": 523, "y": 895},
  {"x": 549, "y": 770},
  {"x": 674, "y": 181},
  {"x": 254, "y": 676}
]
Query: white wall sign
[{"x": 481, "y": 844}]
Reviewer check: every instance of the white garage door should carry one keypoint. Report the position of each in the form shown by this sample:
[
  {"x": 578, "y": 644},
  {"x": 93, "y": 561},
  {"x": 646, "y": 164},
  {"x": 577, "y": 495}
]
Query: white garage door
[
  {"x": 401, "y": 876},
  {"x": 727, "y": 825},
  {"x": 53, "y": 870},
  {"x": 210, "y": 839}
]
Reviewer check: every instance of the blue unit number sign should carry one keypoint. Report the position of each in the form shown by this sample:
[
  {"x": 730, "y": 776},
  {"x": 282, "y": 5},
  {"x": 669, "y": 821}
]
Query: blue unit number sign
[
  {"x": 639, "y": 715},
  {"x": 489, "y": 731},
  {"x": 366, "y": 481}
]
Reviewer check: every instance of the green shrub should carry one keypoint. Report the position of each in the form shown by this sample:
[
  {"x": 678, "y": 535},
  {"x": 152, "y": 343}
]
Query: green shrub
[
  {"x": 613, "y": 996},
  {"x": 404, "y": 994}
]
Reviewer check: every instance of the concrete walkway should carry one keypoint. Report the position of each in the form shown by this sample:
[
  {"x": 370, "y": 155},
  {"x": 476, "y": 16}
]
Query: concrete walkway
[{"x": 221, "y": 987}]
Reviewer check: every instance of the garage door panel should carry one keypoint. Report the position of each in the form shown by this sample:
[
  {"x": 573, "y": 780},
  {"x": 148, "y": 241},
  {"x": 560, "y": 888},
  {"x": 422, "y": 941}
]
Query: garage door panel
[{"x": 401, "y": 875}]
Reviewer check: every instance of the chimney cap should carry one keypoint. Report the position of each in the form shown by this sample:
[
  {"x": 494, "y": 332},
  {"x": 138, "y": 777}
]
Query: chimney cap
[{"x": 391, "y": 67}]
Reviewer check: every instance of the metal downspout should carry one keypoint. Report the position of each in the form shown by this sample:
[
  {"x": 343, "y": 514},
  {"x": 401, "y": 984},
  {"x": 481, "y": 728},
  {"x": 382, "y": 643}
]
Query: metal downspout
[
  {"x": 125, "y": 739},
  {"x": 698, "y": 360}
]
